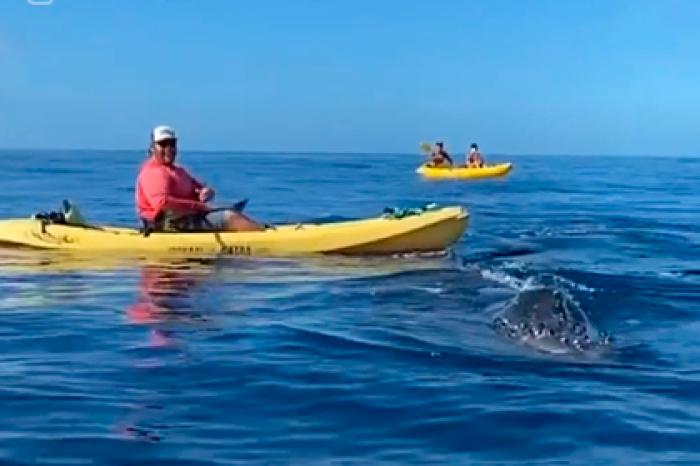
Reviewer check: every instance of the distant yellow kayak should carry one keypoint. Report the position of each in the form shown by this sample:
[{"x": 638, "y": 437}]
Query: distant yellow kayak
[{"x": 488, "y": 171}]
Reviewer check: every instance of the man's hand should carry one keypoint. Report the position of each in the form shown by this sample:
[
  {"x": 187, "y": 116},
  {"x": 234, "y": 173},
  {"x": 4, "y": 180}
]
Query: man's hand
[{"x": 206, "y": 194}]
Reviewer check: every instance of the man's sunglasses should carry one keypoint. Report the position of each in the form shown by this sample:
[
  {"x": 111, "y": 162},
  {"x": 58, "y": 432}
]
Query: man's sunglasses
[{"x": 167, "y": 143}]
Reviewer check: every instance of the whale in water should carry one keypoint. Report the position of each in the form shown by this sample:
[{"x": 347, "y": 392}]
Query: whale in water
[{"x": 547, "y": 320}]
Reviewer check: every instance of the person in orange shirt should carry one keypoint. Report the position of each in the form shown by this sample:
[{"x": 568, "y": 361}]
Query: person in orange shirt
[{"x": 168, "y": 198}]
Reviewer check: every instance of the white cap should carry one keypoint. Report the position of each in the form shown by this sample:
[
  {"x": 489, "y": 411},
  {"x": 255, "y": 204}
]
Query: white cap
[{"x": 161, "y": 133}]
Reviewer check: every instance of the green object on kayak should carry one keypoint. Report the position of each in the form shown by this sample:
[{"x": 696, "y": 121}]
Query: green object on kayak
[{"x": 395, "y": 212}]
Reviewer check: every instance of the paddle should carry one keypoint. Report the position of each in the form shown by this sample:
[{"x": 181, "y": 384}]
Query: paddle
[
  {"x": 426, "y": 148},
  {"x": 238, "y": 207}
]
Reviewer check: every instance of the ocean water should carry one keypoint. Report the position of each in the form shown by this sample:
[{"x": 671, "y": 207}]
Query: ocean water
[{"x": 358, "y": 360}]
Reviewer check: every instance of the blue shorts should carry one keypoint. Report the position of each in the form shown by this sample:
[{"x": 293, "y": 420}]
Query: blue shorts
[
  {"x": 214, "y": 221},
  {"x": 217, "y": 220}
]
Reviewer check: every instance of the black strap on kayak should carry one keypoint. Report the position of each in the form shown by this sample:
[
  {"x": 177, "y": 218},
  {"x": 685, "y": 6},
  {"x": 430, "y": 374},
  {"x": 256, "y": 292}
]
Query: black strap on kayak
[
  {"x": 50, "y": 217},
  {"x": 46, "y": 218}
]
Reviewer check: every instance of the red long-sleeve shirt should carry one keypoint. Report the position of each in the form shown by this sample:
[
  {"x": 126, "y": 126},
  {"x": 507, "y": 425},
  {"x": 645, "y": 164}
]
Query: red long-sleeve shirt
[{"x": 166, "y": 187}]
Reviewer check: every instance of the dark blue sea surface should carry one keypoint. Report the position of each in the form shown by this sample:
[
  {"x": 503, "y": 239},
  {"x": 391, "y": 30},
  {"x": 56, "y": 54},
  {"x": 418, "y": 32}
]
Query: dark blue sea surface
[{"x": 391, "y": 360}]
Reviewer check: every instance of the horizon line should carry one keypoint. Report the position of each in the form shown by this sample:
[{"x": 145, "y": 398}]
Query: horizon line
[{"x": 336, "y": 152}]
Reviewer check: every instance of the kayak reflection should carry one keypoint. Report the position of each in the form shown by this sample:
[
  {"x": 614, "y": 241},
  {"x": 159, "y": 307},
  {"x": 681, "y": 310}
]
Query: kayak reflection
[{"x": 167, "y": 299}]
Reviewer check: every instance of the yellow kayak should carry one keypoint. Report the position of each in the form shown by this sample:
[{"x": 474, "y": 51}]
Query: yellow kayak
[
  {"x": 412, "y": 230},
  {"x": 487, "y": 171}
]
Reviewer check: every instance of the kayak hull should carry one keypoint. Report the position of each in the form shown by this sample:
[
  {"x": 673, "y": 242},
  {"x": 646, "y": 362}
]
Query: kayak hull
[
  {"x": 429, "y": 231},
  {"x": 488, "y": 171}
]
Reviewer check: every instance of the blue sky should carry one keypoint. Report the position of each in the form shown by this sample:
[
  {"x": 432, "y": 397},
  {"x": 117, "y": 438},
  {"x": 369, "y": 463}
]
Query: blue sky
[{"x": 521, "y": 77}]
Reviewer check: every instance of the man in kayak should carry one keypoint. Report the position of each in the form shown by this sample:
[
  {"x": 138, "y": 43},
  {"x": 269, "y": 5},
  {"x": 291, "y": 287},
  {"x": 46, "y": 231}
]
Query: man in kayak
[
  {"x": 439, "y": 156},
  {"x": 474, "y": 158},
  {"x": 168, "y": 198}
]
